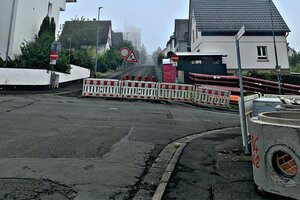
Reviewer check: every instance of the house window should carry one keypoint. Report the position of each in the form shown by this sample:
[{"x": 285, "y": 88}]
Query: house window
[
  {"x": 50, "y": 9},
  {"x": 262, "y": 53}
]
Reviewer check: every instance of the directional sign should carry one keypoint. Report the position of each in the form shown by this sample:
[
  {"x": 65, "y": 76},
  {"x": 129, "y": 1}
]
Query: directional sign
[
  {"x": 54, "y": 55},
  {"x": 241, "y": 32},
  {"x": 55, "y": 46},
  {"x": 125, "y": 53},
  {"x": 132, "y": 57}
]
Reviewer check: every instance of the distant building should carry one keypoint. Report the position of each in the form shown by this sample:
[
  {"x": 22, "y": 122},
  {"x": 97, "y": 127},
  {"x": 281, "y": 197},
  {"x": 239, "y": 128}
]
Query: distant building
[
  {"x": 171, "y": 44},
  {"x": 20, "y": 21},
  {"x": 213, "y": 25},
  {"x": 178, "y": 42},
  {"x": 291, "y": 51},
  {"x": 84, "y": 34},
  {"x": 117, "y": 38},
  {"x": 134, "y": 35},
  {"x": 181, "y": 35}
]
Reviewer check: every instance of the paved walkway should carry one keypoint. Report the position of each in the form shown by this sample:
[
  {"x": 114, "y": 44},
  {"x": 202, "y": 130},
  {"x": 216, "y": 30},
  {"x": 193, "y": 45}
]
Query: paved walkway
[
  {"x": 208, "y": 165},
  {"x": 214, "y": 167},
  {"x": 205, "y": 169}
]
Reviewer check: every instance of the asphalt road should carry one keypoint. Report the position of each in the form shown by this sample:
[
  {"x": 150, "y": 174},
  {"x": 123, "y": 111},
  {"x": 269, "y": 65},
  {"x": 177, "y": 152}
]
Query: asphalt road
[
  {"x": 143, "y": 70},
  {"x": 55, "y": 147}
]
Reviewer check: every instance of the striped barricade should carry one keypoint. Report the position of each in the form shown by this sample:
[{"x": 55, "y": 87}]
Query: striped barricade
[
  {"x": 101, "y": 88},
  {"x": 212, "y": 96},
  {"x": 176, "y": 92},
  {"x": 139, "y": 89}
]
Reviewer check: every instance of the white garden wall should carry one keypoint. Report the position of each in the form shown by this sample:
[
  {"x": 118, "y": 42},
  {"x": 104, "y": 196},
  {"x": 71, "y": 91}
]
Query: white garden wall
[{"x": 39, "y": 77}]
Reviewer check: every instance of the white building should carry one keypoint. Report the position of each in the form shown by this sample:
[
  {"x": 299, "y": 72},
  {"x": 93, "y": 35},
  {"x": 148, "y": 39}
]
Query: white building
[
  {"x": 214, "y": 24},
  {"x": 134, "y": 35},
  {"x": 20, "y": 21}
]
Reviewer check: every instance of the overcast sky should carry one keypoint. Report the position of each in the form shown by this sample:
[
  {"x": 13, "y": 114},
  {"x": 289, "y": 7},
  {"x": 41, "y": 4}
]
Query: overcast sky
[{"x": 156, "y": 17}]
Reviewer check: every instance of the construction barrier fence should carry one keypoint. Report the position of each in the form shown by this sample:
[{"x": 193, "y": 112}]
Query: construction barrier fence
[
  {"x": 156, "y": 91},
  {"x": 139, "y": 89},
  {"x": 211, "y": 96},
  {"x": 101, "y": 88},
  {"x": 176, "y": 92}
]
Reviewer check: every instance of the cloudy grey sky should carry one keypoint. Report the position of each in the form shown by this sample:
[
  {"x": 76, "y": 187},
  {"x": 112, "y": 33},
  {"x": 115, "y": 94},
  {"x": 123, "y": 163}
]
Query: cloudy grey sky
[{"x": 156, "y": 17}]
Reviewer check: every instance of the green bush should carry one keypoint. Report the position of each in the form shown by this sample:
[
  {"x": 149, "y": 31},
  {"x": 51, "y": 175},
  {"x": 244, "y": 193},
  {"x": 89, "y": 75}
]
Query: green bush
[
  {"x": 1, "y": 62},
  {"x": 82, "y": 58},
  {"x": 35, "y": 54},
  {"x": 260, "y": 75}
]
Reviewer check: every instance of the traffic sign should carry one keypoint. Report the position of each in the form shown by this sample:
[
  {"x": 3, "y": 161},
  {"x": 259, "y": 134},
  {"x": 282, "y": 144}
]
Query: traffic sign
[
  {"x": 53, "y": 62},
  {"x": 125, "y": 53},
  {"x": 132, "y": 57},
  {"x": 54, "y": 55},
  {"x": 241, "y": 32},
  {"x": 55, "y": 46},
  {"x": 175, "y": 58}
]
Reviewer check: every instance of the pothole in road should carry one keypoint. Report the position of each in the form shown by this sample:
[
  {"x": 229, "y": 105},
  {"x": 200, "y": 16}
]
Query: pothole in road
[{"x": 22, "y": 189}]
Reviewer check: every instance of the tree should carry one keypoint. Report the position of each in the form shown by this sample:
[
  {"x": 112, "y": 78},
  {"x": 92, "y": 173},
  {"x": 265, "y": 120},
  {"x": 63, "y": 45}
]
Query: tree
[
  {"x": 48, "y": 26},
  {"x": 143, "y": 56},
  {"x": 155, "y": 55},
  {"x": 82, "y": 58},
  {"x": 1, "y": 62},
  {"x": 160, "y": 58},
  {"x": 35, "y": 54}
]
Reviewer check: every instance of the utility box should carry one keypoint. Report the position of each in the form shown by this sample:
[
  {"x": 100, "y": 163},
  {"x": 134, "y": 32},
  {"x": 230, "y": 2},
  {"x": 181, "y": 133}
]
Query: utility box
[
  {"x": 275, "y": 144},
  {"x": 261, "y": 105},
  {"x": 169, "y": 71}
]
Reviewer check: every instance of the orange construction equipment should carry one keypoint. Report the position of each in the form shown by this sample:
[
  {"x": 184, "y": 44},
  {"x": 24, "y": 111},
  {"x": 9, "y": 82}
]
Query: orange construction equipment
[{"x": 234, "y": 99}]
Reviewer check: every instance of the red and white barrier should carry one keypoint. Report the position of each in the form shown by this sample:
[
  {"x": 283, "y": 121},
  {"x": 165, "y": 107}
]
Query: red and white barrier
[
  {"x": 139, "y": 90},
  {"x": 153, "y": 90},
  {"x": 211, "y": 96},
  {"x": 176, "y": 92},
  {"x": 101, "y": 88}
]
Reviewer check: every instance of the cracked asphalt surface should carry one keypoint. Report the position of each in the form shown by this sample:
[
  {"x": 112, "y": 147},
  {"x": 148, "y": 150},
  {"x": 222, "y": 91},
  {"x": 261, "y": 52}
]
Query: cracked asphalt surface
[{"x": 59, "y": 147}]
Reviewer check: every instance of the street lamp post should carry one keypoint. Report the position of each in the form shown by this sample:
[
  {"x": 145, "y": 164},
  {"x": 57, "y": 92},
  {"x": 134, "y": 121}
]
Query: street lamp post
[
  {"x": 70, "y": 46},
  {"x": 275, "y": 50},
  {"x": 9, "y": 33},
  {"x": 97, "y": 42}
]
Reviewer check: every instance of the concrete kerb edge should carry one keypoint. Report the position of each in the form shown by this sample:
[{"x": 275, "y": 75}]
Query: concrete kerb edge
[{"x": 180, "y": 144}]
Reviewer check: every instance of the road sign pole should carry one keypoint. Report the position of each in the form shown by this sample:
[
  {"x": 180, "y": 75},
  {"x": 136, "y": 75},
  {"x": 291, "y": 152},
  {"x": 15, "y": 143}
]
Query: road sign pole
[{"x": 243, "y": 112}]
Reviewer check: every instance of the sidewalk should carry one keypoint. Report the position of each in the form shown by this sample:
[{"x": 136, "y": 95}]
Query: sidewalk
[{"x": 214, "y": 167}]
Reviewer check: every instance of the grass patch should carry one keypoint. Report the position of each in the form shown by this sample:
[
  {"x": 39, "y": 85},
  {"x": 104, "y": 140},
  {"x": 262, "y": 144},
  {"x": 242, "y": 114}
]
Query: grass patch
[{"x": 296, "y": 68}]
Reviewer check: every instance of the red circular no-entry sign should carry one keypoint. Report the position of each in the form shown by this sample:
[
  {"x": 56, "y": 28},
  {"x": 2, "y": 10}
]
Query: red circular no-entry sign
[
  {"x": 175, "y": 58},
  {"x": 124, "y": 52},
  {"x": 54, "y": 55}
]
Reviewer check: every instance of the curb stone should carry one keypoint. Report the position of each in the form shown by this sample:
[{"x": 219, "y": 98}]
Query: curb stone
[{"x": 155, "y": 183}]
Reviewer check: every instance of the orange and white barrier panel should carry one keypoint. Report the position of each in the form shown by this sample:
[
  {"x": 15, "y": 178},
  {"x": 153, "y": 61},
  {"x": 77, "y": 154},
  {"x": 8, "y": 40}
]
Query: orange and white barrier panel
[
  {"x": 210, "y": 96},
  {"x": 139, "y": 89},
  {"x": 176, "y": 92},
  {"x": 101, "y": 88}
]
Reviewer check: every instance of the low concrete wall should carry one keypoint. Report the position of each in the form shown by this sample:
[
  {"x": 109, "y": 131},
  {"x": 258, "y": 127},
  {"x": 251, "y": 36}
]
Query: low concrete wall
[
  {"x": 76, "y": 73},
  {"x": 39, "y": 77}
]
